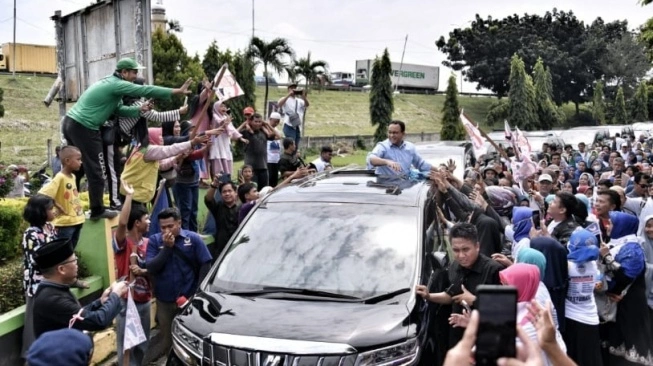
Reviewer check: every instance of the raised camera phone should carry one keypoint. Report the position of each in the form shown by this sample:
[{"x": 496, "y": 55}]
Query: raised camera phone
[
  {"x": 497, "y": 328},
  {"x": 536, "y": 219},
  {"x": 299, "y": 91}
]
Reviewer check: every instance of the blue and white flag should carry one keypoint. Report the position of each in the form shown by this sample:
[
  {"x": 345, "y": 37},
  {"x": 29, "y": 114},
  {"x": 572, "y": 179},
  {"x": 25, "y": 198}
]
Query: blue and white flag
[{"x": 134, "y": 334}]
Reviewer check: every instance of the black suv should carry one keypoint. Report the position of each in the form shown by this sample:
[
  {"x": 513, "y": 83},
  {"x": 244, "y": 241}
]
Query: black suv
[{"x": 321, "y": 273}]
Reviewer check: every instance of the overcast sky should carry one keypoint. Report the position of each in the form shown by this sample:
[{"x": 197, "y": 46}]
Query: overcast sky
[{"x": 337, "y": 31}]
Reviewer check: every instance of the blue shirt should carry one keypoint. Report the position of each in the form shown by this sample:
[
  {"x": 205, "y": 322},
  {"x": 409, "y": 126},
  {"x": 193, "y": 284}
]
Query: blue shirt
[
  {"x": 177, "y": 278},
  {"x": 403, "y": 154},
  {"x": 56, "y": 165}
]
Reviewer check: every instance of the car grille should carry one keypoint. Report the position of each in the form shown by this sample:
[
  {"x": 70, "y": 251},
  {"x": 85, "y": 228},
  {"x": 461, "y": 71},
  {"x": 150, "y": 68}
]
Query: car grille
[{"x": 217, "y": 355}]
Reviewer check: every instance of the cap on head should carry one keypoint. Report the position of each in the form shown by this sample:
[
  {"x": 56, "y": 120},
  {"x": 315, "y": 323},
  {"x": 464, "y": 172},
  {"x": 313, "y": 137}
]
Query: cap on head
[
  {"x": 53, "y": 253},
  {"x": 49, "y": 349},
  {"x": 554, "y": 168},
  {"x": 12, "y": 167},
  {"x": 128, "y": 63},
  {"x": 275, "y": 115},
  {"x": 292, "y": 85},
  {"x": 545, "y": 178},
  {"x": 248, "y": 110}
]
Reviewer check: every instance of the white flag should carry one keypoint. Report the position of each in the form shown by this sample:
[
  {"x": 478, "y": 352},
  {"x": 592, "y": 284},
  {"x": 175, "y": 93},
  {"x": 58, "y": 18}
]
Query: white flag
[
  {"x": 134, "y": 334},
  {"x": 228, "y": 87},
  {"x": 521, "y": 142},
  {"x": 474, "y": 136}
]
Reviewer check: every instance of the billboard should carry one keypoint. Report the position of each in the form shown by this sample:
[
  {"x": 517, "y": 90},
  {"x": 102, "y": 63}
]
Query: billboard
[
  {"x": 406, "y": 75},
  {"x": 96, "y": 37}
]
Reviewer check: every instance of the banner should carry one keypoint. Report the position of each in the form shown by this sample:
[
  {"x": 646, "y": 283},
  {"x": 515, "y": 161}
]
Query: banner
[
  {"x": 521, "y": 142},
  {"x": 474, "y": 136},
  {"x": 134, "y": 334},
  {"x": 227, "y": 87}
]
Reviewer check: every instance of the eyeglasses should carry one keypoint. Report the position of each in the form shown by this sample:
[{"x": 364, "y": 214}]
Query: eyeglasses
[{"x": 74, "y": 260}]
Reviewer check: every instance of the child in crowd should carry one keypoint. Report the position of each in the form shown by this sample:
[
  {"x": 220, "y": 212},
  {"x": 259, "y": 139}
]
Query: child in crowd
[
  {"x": 248, "y": 194},
  {"x": 69, "y": 216},
  {"x": 246, "y": 176}
]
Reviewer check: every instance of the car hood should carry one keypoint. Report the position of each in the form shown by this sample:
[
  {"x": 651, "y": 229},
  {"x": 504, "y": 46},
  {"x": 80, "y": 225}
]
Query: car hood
[{"x": 356, "y": 324}]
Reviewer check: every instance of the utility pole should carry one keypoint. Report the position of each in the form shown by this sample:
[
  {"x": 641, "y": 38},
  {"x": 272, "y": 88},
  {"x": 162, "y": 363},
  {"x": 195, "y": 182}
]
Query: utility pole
[
  {"x": 401, "y": 65},
  {"x": 13, "y": 62},
  {"x": 252, "y": 18}
]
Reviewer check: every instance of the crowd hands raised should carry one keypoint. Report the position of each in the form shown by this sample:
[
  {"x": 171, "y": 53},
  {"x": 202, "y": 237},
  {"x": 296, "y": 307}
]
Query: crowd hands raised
[{"x": 583, "y": 222}]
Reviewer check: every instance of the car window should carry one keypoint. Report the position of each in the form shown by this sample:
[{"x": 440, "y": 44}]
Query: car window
[{"x": 353, "y": 249}]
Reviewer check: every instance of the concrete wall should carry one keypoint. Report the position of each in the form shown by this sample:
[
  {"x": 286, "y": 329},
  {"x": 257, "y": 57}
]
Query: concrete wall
[{"x": 317, "y": 142}]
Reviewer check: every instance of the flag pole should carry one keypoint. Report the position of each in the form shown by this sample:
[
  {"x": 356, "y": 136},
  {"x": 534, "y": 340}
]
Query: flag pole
[
  {"x": 216, "y": 82},
  {"x": 496, "y": 146}
]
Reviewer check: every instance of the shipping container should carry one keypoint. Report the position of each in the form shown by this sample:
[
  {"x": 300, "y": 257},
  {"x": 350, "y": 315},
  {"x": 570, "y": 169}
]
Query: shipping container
[
  {"x": 409, "y": 76},
  {"x": 29, "y": 58}
]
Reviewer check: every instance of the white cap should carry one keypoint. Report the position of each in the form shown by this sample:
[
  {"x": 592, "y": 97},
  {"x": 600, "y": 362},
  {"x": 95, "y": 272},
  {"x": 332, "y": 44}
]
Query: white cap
[
  {"x": 545, "y": 177},
  {"x": 275, "y": 115}
]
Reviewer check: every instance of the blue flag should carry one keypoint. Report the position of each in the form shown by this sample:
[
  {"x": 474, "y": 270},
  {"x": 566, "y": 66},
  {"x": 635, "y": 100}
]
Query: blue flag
[{"x": 160, "y": 204}]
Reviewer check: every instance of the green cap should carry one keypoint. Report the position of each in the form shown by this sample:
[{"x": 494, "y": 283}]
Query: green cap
[{"x": 128, "y": 64}]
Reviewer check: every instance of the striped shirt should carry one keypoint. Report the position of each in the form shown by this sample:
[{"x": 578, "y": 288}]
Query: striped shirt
[{"x": 127, "y": 123}]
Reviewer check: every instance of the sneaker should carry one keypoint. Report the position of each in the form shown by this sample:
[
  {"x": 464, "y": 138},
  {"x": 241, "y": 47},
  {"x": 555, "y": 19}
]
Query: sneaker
[{"x": 106, "y": 214}]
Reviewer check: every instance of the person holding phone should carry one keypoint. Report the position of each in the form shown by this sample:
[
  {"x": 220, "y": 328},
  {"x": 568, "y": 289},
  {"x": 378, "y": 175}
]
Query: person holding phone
[
  {"x": 469, "y": 270},
  {"x": 293, "y": 107}
]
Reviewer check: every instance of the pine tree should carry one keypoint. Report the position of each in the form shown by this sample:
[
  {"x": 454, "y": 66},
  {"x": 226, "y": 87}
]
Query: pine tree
[
  {"x": 171, "y": 66},
  {"x": 211, "y": 61},
  {"x": 598, "y": 104},
  {"x": 381, "y": 102},
  {"x": 640, "y": 103},
  {"x": 452, "y": 128},
  {"x": 522, "y": 110},
  {"x": 620, "y": 114},
  {"x": 547, "y": 113}
]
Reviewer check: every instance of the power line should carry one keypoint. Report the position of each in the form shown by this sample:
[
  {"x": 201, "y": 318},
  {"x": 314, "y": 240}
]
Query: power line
[{"x": 35, "y": 26}]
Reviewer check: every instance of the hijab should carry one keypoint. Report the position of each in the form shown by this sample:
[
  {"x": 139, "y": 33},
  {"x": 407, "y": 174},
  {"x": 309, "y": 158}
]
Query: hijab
[
  {"x": 556, "y": 274},
  {"x": 583, "y": 247},
  {"x": 574, "y": 185},
  {"x": 525, "y": 277},
  {"x": 155, "y": 135},
  {"x": 648, "y": 252},
  {"x": 585, "y": 201},
  {"x": 535, "y": 257},
  {"x": 522, "y": 218},
  {"x": 626, "y": 249},
  {"x": 218, "y": 117}
]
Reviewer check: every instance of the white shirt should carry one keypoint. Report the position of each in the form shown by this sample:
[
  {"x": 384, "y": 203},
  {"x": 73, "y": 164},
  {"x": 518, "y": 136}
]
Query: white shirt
[
  {"x": 516, "y": 247},
  {"x": 289, "y": 106},
  {"x": 580, "y": 304},
  {"x": 18, "y": 191},
  {"x": 274, "y": 151},
  {"x": 320, "y": 164}
]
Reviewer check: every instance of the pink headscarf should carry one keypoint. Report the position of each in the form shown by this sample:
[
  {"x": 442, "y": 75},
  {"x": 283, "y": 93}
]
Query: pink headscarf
[
  {"x": 218, "y": 117},
  {"x": 155, "y": 135},
  {"x": 525, "y": 277}
]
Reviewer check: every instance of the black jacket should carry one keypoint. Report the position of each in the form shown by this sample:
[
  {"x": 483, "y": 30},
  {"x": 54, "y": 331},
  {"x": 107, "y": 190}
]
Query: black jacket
[
  {"x": 55, "y": 305},
  {"x": 563, "y": 231}
]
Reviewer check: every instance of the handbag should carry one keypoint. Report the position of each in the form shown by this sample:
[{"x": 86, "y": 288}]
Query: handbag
[
  {"x": 607, "y": 308},
  {"x": 293, "y": 116}
]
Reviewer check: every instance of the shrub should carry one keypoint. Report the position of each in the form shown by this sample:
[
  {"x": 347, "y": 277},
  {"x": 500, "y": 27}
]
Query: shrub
[
  {"x": 360, "y": 143},
  {"x": 11, "y": 285},
  {"x": 10, "y": 231}
]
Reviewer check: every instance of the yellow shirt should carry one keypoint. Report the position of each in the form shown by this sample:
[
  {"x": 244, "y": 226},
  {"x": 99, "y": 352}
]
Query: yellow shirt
[{"x": 64, "y": 192}]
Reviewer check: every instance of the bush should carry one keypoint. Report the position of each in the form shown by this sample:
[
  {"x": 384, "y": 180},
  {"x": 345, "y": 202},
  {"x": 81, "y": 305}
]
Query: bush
[
  {"x": 11, "y": 285},
  {"x": 360, "y": 143},
  {"x": 11, "y": 231}
]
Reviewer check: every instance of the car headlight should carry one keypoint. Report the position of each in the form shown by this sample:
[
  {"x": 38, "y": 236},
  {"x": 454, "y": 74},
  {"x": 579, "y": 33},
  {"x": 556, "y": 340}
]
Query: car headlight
[
  {"x": 399, "y": 354},
  {"x": 187, "y": 346}
]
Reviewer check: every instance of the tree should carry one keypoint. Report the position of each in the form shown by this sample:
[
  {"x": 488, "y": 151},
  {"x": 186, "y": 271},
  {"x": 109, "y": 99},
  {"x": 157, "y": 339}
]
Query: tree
[
  {"x": 310, "y": 69},
  {"x": 521, "y": 109},
  {"x": 598, "y": 104},
  {"x": 619, "y": 109},
  {"x": 272, "y": 56},
  {"x": 171, "y": 66},
  {"x": 211, "y": 61},
  {"x": 645, "y": 37},
  {"x": 452, "y": 128},
  {"x": 548, "y": 114},
  {"x": 381, "y": 102},
  {"x": 569, "y": 48},
  {"x": 640, "y": 103},
  {"x": 624, "y": 63}
]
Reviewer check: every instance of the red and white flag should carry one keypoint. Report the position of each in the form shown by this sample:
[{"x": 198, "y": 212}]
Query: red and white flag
[
  {"x": 474, "y": 135},
  {"x": 521, "y": 142},
  {"x": 228, "y": 87},
  {"x": 134, "y": 334}
]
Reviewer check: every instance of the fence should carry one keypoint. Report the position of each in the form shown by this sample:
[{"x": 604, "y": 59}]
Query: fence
[{"x": 316, "y": 142}]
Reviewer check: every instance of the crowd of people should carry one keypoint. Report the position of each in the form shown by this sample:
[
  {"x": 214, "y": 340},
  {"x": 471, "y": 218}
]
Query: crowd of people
[
  {"x": 108, "y": 140},
  {"x": 576, "y": 235}
]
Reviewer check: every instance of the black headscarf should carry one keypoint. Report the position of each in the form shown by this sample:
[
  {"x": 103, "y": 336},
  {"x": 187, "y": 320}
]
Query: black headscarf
[{"x": 557, "y": 273}]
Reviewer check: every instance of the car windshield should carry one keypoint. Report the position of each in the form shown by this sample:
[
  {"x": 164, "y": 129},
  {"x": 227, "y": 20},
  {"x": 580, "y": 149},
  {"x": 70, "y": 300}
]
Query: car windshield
[{"x": 360, "y": 250}]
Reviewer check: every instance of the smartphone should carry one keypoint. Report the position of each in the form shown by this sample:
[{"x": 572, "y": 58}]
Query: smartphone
[
  {"x": 536, "y": 219},
  {"x": 454, "y": 289},
  {"x": 497, "y": 327},
  {"x": 299, "y": 91}
]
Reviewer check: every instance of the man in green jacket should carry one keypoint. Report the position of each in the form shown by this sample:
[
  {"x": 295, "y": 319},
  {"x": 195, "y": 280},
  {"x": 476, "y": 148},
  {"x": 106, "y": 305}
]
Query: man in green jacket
[{"x": 81, "y": 125}]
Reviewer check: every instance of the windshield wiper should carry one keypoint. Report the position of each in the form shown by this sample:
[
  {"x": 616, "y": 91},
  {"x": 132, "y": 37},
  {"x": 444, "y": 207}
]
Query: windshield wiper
[
  {"x": 386, "y": 296},
  {"x": 290, "y": 290}
]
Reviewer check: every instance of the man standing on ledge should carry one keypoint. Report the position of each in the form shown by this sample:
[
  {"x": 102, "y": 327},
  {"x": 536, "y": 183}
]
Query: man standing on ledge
[
  {"x": 394, "y": 155},
  {"x": 81, "y": 125}
]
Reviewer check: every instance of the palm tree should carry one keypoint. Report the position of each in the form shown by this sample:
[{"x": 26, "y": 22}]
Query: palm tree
[
  {"x": 309, "y": 69},
  {"x": 271, "y": 55}
]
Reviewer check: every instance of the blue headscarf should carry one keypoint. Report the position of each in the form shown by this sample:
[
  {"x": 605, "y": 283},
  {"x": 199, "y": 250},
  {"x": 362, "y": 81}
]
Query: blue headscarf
[
  {"x": 522, "y": 222},
  {"x": 582, "y": 247},
  {"x": 623, "y": 224},
  {"x": 533, "y": 256}
]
